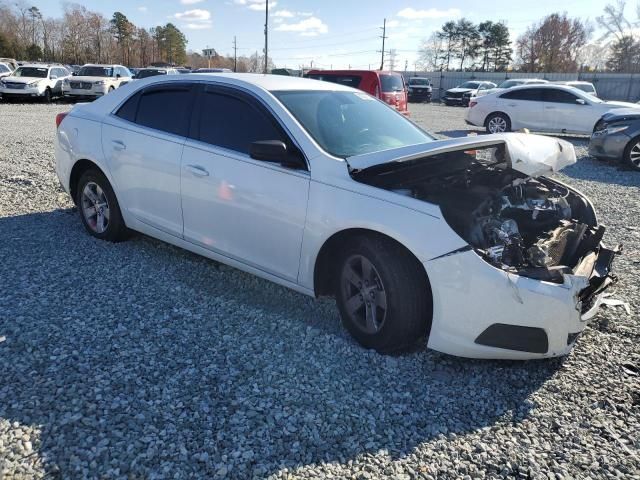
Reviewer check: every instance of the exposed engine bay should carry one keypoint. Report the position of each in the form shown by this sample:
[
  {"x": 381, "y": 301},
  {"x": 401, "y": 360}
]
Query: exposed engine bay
[{"x": 535, "y": 227}]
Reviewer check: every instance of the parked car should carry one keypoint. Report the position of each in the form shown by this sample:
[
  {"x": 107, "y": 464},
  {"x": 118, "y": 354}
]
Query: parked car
[
  {"x": 419, "y": 89},
  {"x": 183, "y": 70},
  {"x": 461, "y": 95},
  {"x": 387, "y": 86},
  {"x": 33, "y": 81},
  {"x": 617, "y": 137},
  {"x": 5, "y": 70},
  {"x": 320, "y": 188},
  {"x": 586, "y": 87},
  {"x": 10, "y": 62},
  {"x": 94, "y": 81},
  {"x": 543, "y": 108},
  {"x": 513, "y": 82},
  {"x": 153, "y": 71},
  {"x": 212, "y": 70}
]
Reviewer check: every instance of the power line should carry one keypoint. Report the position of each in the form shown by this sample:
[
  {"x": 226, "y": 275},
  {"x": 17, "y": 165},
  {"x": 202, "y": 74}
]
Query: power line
[{"x": 320, "y": 45}]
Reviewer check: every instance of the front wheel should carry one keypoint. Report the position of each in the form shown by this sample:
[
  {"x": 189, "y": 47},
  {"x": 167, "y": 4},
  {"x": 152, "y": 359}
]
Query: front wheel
[
  {"x": 46, "y": 97},
  {"x": 99, "y": 208},
  {"x": 498, "y": 123},
  {"x": 383, "y": 294},
  {"x": 632, "y": 154}
]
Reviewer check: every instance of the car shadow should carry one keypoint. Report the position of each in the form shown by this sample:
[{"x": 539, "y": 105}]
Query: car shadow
[{"x": 193, "y": 378}]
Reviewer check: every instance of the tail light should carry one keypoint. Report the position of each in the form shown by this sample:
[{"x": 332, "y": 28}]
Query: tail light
[
  {"x": 472, "y": 103},
  {"x": 60, "y": 117}
]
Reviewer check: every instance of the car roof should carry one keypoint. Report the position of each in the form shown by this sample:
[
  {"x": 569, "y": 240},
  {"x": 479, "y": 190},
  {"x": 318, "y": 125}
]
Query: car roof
[
  {"x": 352, "y": 72},
  {"x": 272, "y": 83},
  {"x": 38, "y": 65},
  {"x": 546, "y": 85},
  {"x": 102, "y": 65}
]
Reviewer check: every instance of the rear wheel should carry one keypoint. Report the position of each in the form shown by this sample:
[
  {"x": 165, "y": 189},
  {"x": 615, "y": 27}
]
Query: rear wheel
[
  {"x": 498, "y": 123},
  {"x": 383, "y": 294},
  {"x": 632, "y": 154},
  {"x": 46, "y": 98},
  {"x": 98, "y": 207}
]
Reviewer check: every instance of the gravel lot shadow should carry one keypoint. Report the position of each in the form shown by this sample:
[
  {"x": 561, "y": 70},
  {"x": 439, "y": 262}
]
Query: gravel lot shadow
[{"x": 141, "y": 359}]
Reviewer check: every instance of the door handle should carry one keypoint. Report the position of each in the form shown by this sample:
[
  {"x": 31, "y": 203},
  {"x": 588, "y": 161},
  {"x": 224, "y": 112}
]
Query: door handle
[
  {"x": 197, "y": 170},
  {"x": 118, "y": 145},
  {"x": 550, "y": 108},
  {"x": 512, "y": 105}
]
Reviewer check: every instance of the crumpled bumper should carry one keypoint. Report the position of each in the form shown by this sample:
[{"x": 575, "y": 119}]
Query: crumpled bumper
[{"x": 480, "y": 311}]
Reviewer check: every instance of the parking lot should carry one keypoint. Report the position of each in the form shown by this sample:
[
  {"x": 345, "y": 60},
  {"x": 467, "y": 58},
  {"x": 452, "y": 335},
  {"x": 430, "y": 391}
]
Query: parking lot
[{"x": 141, "y": 360}]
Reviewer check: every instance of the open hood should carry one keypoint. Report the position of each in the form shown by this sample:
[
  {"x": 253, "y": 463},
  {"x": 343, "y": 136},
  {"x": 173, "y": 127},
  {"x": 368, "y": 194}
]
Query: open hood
[{"x": 532, "y": 155}]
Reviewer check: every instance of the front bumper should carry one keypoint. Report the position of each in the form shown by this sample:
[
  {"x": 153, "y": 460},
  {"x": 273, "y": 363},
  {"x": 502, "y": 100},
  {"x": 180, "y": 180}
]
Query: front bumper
[
  {"x": 609, "y": 146},
  {"x": 452, "y": 100},
  {"x": 480, "y": 311},
  {"x": 419, "y": 96},
  {"x": 21, "y": 92}
]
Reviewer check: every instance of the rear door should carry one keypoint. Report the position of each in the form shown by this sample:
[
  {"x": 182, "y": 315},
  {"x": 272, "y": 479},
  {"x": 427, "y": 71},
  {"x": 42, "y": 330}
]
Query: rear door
[
  {"x": 566, "y": 114},
  {"x": 143, "y": 144},
  {"x": 524, "y": 107}
]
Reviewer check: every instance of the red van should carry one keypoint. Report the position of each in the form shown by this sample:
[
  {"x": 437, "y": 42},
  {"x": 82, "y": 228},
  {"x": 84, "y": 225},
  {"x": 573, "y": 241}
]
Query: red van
[{"x": 387, "y": 86}]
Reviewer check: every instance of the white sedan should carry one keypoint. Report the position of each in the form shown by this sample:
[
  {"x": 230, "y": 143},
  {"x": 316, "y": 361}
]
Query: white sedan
[
  {"x": 543, "y": 108},
  {"x": 324, "y": 189}
]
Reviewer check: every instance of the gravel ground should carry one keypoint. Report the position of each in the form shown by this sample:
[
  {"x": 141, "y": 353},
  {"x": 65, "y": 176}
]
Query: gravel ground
[{"x": 140, "y": 360}]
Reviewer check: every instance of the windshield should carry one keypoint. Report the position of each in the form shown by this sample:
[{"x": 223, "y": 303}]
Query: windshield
[
  {"x": 473, "y": 85},
  {"x": 31, "y": 72},
  {"x": 351, "y": 123},
  {"x": 510, "y": 83},
  {"x": 95, "y": 72},
  {"x": 150, "y": 73},
  {"x": 419, "y": 81},
  {"x": 391, "y": 83},
  {"x": 585, "y": 87}
]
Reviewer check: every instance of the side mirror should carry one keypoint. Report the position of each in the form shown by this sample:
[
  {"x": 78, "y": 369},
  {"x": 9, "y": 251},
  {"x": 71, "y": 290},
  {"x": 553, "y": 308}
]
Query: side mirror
[
  {"x": 580, "y": 101},
  {"x": 118, "y": 75},
  {"x": 275, "y": 151}
]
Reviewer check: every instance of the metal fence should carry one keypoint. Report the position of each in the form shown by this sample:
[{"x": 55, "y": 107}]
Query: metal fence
[{"x": 610, "y": 86}]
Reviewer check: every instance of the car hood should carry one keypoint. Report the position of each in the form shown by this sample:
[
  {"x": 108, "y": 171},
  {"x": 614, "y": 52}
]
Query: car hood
[
  {"x": 22, "y": 79},
  {"x": 622, "y": 114},
  {"x": 616, "y": 104},
  {"x": 88, "y": 79},
  {"x": 532, "y": 155},
  {"x": 490, "y": 91},
  {"x": 460, "y": 90}
]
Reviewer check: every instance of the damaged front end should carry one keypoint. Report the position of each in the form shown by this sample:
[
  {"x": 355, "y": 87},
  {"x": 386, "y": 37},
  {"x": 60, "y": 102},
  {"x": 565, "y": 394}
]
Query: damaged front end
[{"x": 492, "y": 193}]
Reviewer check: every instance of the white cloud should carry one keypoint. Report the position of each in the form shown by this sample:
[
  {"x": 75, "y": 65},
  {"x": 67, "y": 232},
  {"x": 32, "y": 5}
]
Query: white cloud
[
  {"x": 198, "y": 26},
  {"x": 258, "y": 5},
  {"x": 413, "y": 14},
  {"x": 309, "y": 27},
  {"x": 143, "y": 9},
  {"x": 284, "y": 14},
  {"x": 190, "y": 2},
  {"x": 393, "y": 23},
  {"x": 196, "y": 15}
]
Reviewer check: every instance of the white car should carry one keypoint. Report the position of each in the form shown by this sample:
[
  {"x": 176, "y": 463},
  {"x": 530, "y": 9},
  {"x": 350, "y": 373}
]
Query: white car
[
  {"x": 586, "y": 87},
  {"x": 34, "y": 81},
  {"x": 94, "y": 81},
  {"x": 5, "y": 70},
  {"x": 154, "y": 71},
  {"x": 325, "y": 189},
  {"x": 513, "y": 82},
  {"x": 543, "y": 108}
]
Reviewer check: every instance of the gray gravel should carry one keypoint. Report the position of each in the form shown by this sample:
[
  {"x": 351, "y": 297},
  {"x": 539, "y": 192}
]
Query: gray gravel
[{"x": 140, "y": 360}]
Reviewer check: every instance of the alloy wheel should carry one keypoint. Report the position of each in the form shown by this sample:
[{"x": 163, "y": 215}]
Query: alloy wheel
[
  {"x": 95, "y": 207},
  {"x": 634, "y": 155},
  {"x": 497, "y": 125},
  {"x": 364, "y": 294}
]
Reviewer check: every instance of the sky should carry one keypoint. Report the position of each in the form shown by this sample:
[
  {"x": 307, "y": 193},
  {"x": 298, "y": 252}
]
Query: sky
[{"x": 331, "y": 33}]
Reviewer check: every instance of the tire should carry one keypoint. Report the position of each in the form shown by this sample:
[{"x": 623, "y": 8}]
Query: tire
[
  {"x": 98, "y": 207},
  {"x": 46, "y": 98},
  {"x": 631, "y": 156},
  {"x": 111, "y": 89},
  {"x": 498, "y": 123},
  {"x": 396, "y": 290}
]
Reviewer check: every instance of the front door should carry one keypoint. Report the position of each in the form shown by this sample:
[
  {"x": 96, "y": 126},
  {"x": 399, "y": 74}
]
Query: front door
[{"x": 249, "y": 210}]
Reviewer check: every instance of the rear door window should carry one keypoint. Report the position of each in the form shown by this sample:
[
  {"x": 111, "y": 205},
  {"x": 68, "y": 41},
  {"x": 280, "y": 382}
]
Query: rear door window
[
  {"x": 167, "y": 108},
  {"x": 231, "y": 122},
  {"x": 392, "y": 83}
]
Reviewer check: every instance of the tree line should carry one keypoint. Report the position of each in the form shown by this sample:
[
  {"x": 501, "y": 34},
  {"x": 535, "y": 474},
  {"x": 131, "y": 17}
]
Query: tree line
[
  {"x": 556, "y": 43},
  {"x": 82, "y": 36}
]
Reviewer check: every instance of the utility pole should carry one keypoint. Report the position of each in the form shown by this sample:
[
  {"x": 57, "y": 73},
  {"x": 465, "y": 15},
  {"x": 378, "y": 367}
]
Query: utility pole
[
  {"x": 406, "y": 64},
  {"x": 384, "y": 36},
  {"x": 266, "y": 34},
  {"x": 235, "y": 54}
]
